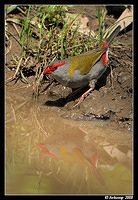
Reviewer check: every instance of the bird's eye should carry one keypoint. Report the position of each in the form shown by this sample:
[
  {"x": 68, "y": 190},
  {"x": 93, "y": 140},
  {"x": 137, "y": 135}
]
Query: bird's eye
[{"x": 55, "y": 67}]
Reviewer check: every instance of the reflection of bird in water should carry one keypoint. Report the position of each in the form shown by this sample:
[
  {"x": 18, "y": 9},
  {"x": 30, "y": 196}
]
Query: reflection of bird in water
[{"x": 72, "y": 149}]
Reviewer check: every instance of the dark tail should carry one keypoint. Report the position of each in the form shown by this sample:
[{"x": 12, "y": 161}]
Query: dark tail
[{"x": 113, "y": 35}]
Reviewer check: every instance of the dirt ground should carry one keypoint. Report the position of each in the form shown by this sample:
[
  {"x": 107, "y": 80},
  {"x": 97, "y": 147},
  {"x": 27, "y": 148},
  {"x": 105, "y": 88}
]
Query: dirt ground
[{"x": 112, "y": 97}]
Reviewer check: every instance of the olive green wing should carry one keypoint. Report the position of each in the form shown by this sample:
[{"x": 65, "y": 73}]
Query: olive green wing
[{"x": 84, "y": 62}]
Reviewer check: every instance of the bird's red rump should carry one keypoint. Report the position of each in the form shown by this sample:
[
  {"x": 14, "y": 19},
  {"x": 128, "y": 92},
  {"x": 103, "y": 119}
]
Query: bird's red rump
[
  {"x": 104, "y": 59},
  {"x": 104, "y": 45},
  {"x": 52, "y": 68}
]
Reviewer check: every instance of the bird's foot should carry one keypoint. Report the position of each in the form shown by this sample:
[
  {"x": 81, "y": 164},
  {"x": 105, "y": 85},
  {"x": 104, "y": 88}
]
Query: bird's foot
[
  {"x": 82, "y": 97},
  {"x": 80, "y": 101}
]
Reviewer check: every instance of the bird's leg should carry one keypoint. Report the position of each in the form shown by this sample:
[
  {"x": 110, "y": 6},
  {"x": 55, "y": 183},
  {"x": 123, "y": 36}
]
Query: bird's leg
[
  {"x": 92, "y": 86},
  {"x": 82, "y": 97}
]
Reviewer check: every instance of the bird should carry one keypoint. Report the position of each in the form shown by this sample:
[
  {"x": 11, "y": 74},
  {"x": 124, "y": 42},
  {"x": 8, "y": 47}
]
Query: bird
[{"x": 84, "y": 69}]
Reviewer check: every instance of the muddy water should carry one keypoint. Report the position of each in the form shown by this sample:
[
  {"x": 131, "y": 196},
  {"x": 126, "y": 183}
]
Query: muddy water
[{"x": 46, "y": 154}]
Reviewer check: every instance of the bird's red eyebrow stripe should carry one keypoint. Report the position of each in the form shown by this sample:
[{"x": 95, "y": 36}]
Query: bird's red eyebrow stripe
[
  {"x": 59, "y": 64},
  {"x": 50, "y": 69}
]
